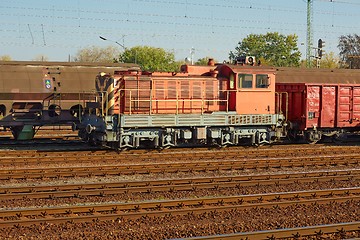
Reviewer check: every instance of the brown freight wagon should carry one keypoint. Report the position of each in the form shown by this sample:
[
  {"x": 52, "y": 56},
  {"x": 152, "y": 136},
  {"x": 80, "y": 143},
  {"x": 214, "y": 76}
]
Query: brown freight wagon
[{"x": 35, "y": 94}]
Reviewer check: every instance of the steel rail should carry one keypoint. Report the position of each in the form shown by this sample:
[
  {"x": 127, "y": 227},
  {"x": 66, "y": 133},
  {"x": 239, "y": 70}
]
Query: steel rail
[
  {"x": 85, "y": 213},
  {"x": 8, "y": 157},
  {"x": 172, "y": 185},
  {"x": 175, "y": 167},
  {"x": 287, "y": 233}
]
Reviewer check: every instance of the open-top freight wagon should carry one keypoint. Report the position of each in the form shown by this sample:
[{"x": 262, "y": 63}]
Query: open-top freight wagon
[{"x": 320, "y": 102}]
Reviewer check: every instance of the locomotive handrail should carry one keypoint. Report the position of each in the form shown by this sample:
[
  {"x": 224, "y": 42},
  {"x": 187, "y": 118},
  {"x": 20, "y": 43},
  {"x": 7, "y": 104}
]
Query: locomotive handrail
[{"x": 202, "y": 99}]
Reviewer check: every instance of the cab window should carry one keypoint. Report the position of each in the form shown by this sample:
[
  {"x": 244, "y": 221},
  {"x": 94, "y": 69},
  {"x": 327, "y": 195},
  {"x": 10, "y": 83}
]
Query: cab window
[
  {"x": 262, "y": 81},
  {"x": 232, "y": 82},
  {"x": 245, "y": 80}
]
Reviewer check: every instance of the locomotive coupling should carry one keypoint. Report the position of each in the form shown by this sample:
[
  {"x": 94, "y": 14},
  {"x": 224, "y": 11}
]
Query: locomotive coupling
[{"x": 89, "y": 128}]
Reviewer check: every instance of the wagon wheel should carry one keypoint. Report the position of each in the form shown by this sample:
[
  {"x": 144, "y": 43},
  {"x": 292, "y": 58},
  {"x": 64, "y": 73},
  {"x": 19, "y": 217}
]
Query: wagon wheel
[
  {"x": 339, "y": 138},
  {"x": 312, "y": 136}
]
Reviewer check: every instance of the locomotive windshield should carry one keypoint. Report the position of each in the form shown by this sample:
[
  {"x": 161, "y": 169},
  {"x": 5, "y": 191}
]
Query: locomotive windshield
[
  {"x": 262, "y": 81},
  {"x": 245, "y": 80}
]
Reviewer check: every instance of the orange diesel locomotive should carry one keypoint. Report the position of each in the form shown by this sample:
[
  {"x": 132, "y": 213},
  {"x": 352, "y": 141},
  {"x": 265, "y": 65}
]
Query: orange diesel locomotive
[{"x": 202, "y": 105}]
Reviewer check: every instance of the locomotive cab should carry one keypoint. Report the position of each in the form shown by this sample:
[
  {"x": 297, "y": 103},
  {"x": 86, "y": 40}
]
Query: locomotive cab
[{"x": 251, "y": 90}]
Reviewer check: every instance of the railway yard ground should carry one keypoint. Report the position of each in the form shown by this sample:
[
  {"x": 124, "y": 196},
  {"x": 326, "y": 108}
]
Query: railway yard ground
[{"x": 61, "y": 189}]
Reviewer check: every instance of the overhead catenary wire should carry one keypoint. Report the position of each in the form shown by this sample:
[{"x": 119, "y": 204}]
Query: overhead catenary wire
[
  {"x": 63, "y": 23},
  {"x": 32, "y": 37}
]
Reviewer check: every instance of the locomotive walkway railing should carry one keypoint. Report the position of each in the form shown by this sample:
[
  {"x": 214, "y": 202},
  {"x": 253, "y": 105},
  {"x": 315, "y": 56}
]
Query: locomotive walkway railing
[{"x": 136, "y": 101}]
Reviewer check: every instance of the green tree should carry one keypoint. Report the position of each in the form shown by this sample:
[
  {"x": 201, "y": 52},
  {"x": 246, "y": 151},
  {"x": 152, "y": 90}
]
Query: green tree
[
  {"x": 329, "y": 60},
  {"x": 349, "y": 46},
  {"x": 203, "y": 61},
  {"x": 150, "y": 58},
  {"x": 5, "y": 58},
  {"x": 275, "y": 49},
  {"x": 97, "y": 54}
]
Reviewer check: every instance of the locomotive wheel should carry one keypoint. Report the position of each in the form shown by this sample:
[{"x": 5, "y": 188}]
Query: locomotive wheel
[{"x": 261, "y": 139}]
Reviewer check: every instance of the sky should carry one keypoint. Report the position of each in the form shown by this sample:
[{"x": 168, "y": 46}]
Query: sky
[{"x": 58, "y": 29}]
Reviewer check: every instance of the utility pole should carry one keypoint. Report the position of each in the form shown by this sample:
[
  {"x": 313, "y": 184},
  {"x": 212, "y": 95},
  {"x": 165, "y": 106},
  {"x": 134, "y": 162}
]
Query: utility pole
[{"x": 309, "y": 37}]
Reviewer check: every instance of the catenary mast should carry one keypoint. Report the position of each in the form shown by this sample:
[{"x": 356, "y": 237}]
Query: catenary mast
[{"x": 309, "y": 38}]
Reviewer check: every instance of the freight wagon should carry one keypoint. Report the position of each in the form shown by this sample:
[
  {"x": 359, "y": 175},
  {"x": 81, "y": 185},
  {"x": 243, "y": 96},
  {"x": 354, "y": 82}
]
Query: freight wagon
[
  {"x": 36, "y": 94},
  {"x": 320, "y": 102}
]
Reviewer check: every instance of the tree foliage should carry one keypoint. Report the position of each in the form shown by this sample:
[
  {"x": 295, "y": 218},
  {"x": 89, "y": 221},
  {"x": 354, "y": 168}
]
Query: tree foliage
[
  {"x": 329, "y": 60},
  {"x": 150, "y": 58},
  {"x": 5, "y": 58},
  {"x": 97, "y": 54},
  {"x": 275, "y": 49},
  {"x": 203, "y": 61},
  {"x": 349, "y": 47}
]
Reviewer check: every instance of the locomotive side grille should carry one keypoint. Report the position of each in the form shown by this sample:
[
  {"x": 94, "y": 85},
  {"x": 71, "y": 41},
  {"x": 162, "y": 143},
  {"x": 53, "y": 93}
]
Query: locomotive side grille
[
  {"x": 136, "y": 95},
  {"x": 239, "y": 120},
  {"x": 159, "y": 90},
  {"x": 261, "y": 119},
  {"x": 214, "y": 120},
  {"x": 171, "y": 89},
  {"x": 196, "y": 90},
  {"x": 250, "y": 119},
  {"x": 185, "y": 91},
  {"x": 189, "y": 120},
  {"x": 140, "y": 120},
  {"x": 164, "y": 121}
]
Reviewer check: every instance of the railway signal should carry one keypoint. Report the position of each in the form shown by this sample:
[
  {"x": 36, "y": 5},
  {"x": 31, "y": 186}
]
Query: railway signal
[{"x": 321, "y": 44}]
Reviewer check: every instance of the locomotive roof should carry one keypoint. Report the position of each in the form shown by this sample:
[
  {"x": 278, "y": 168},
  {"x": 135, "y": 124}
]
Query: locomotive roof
[
  {"x": 316, "y": 75},
  {"x": 240, "y": 68}
]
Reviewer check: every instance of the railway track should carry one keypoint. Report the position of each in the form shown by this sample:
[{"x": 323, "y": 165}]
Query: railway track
[
  {"x": 176, "y": 167},
  {"x": 96, "y": 203},
  {"x": 113, "y": 211},
  {"x": 173, "y": 185},
  {"x": 29, "y": 158},
  {"x": 338, "y": 231}
]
